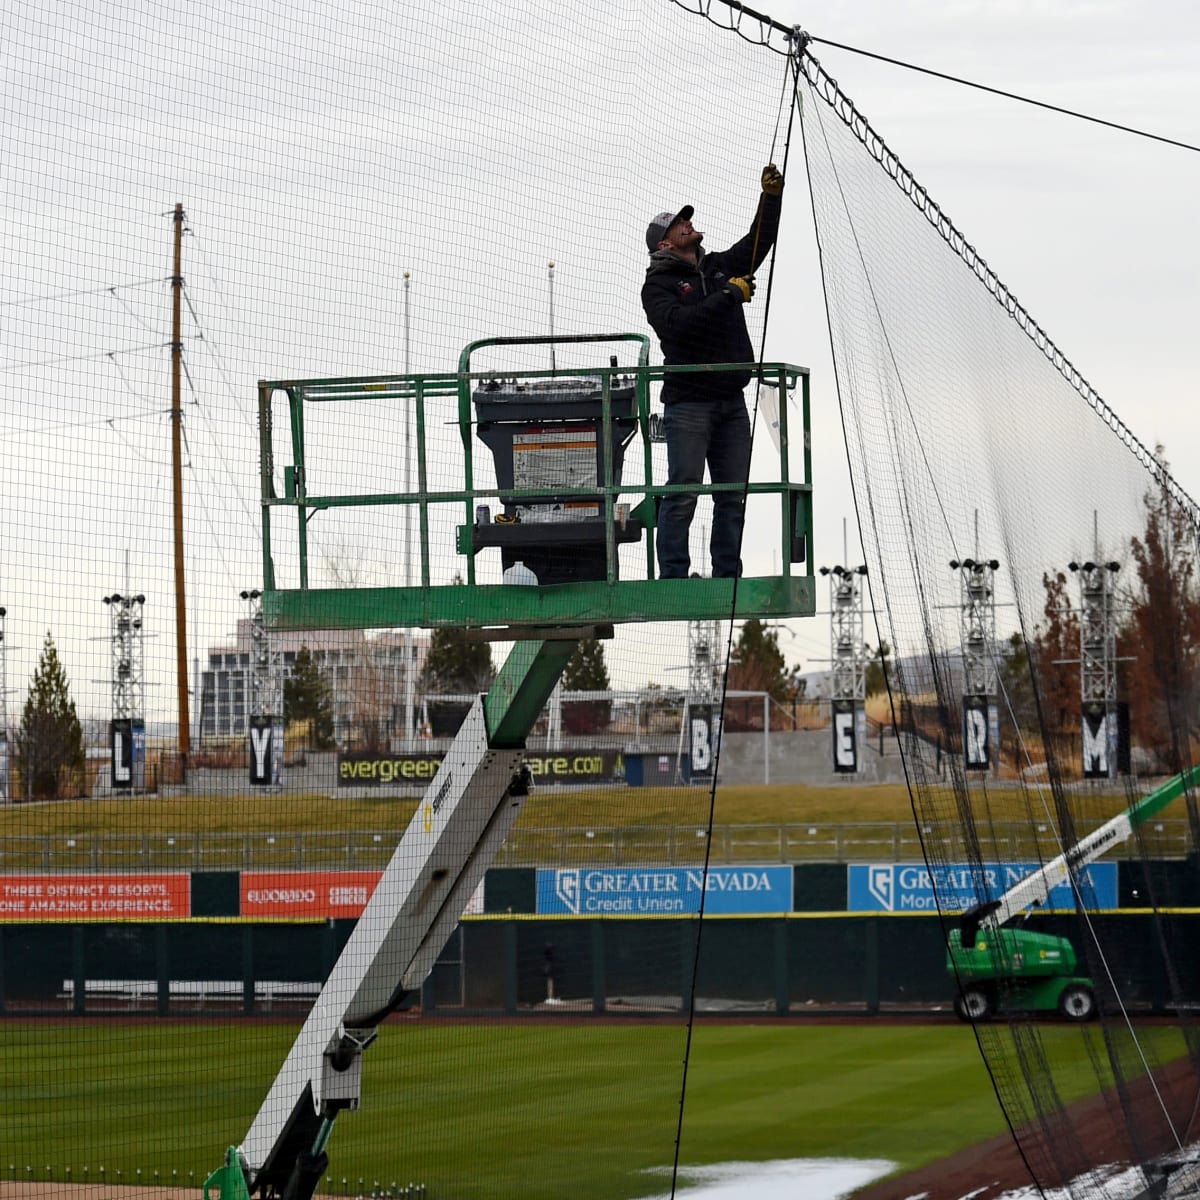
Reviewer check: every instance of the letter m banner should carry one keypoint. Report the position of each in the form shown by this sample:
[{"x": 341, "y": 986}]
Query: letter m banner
[{"x": 1099, "y": 729}]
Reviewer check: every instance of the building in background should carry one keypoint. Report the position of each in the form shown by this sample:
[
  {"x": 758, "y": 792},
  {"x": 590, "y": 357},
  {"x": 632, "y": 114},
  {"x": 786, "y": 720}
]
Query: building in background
[{"x": 366, "y": 675}]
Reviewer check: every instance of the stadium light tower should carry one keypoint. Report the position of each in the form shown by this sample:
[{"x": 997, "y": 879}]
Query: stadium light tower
[
  {"x": 977, "y": 635},
  {"x": 1098, "y": 667},
  {"x": 127, "y": 655},
  {"x": 264, "y": 685},
  {"x": 848, "y": 654}
]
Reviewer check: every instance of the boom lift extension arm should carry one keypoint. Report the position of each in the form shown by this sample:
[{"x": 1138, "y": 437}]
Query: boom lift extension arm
[
  {"x": 464, "y": 816},
  {"x": 1031, "y": 892}
]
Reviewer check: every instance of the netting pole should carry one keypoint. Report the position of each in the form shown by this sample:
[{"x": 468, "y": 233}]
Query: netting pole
[{"x": 181, "y": 671}]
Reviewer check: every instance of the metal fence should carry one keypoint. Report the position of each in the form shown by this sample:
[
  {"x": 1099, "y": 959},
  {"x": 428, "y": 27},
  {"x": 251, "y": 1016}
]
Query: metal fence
[{"x": 532, "y": 846}]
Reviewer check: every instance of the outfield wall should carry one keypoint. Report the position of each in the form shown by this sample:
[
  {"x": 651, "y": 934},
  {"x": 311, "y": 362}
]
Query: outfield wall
[{"x": 802, "y": 964}]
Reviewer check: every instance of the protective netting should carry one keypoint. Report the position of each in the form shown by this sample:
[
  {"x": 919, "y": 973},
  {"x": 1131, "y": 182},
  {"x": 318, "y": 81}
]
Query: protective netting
[
  {"x": 349, "y": 190},
  {"x": 1001, "y": 506}
]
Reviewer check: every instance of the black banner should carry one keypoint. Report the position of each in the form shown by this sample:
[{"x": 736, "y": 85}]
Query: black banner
[
  {"x": 845, "y": 737},
  {"x": 977, "y": 741},
  {"x": 120, "y": 744},
  {"x": 1099, "y": 729},
  {"x": 703, "y": 731},
  {"x": 571, "y": 765},
  {"x": 262, "y": 751}
]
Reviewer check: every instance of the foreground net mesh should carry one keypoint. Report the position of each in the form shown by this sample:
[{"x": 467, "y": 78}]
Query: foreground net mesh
[
  {"x": 1001, "y": 504},
  {"x": 207, "y": 197},
  {"x": 318, "y": 192}
]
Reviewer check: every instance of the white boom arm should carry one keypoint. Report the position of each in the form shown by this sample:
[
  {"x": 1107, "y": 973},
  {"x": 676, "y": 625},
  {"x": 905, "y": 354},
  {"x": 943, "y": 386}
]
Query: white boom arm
[
  {"x": 1032, "y": 891},
  {"x": 466, "y": 813}
]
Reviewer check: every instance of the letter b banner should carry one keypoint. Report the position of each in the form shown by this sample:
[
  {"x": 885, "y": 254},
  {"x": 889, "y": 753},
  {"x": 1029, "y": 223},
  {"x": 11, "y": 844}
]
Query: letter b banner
[{"x": 702, "y": 739}]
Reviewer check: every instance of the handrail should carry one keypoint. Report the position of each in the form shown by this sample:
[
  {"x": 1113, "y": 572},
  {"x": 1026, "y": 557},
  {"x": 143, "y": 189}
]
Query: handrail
[{"x": 419, "y": 389}]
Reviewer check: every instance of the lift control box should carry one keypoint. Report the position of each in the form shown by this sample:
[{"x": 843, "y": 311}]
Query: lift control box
[{"x": 549, "y": 440}]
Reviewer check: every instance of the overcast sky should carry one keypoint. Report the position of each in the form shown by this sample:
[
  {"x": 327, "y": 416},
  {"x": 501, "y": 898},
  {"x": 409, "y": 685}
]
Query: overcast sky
[{"x": 323, "y": 150}]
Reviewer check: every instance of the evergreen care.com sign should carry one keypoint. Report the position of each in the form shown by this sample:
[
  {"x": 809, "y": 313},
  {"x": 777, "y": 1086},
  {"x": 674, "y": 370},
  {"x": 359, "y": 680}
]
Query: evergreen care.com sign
[{"x": 663, "y": 891}]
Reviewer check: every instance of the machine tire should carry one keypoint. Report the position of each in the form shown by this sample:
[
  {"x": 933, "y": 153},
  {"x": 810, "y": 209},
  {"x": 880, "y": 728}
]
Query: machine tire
[
  {"x": 1077, "y": 1002},
  {"x": 973, "y": 1005}
]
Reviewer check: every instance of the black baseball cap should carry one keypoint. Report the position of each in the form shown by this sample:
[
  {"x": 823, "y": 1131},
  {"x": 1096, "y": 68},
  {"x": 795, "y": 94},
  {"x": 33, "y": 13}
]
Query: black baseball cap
[{"x": 657, "y": 229}]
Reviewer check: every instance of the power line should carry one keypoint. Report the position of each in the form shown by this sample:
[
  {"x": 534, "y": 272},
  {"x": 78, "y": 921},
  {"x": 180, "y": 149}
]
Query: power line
[
  {"x": 83, "y": 292},
  {"x": 983, "y": 87},
  {"x": 782, "y": 39}
]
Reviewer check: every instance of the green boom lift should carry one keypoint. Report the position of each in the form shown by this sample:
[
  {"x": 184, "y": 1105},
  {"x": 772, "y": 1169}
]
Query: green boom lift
[
  {"x": 999, "y": 967},
  {"x": 578, "y": 423}
]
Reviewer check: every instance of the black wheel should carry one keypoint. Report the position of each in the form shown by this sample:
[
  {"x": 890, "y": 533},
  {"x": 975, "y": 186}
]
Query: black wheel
[
  {"x": 973, "y": 1004},
  {"x": 1077, "y": 1002}
]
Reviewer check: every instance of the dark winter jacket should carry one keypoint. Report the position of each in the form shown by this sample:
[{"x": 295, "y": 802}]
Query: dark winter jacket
[{"x": 696, "y": 317}]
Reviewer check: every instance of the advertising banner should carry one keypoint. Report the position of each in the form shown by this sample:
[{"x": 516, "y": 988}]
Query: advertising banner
[
  {"x": 323, "y": 894},
  {"x": 95, "y": 897},
  {"x": 567, "y": 766},
  {"x": 908, "y": 887},
  {"x": 306, "y": 893},
  {"x": 655, "y": 891}
]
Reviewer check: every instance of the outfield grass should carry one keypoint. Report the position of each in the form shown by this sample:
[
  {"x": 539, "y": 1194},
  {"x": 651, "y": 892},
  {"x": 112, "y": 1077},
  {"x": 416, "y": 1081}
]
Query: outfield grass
[
  {"x": 745, "y": 805},
  {"x": 480, "y": 1111}
]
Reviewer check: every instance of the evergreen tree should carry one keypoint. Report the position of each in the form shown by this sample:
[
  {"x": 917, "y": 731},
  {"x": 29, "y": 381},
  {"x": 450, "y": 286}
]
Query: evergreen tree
[
  {"x": 454, "y": 665},
  {"x": 758, "y": 664},
  {"x": 586, "y": 671},
  {"x": 876, "y": 680},
  {"x": 307, "y": 696},
  {"x": 49, "y": 741}
]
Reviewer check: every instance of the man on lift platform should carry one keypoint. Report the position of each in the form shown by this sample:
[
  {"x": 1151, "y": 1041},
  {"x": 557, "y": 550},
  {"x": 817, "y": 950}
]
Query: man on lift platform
[{"x": 694, "y": 302}]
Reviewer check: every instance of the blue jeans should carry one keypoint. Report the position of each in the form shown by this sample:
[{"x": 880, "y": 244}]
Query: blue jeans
[{"x": 716, "y": 431}]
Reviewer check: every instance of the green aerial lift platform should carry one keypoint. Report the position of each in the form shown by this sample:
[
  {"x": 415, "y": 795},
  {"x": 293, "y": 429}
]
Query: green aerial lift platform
[{"x": 558, "y": 438}]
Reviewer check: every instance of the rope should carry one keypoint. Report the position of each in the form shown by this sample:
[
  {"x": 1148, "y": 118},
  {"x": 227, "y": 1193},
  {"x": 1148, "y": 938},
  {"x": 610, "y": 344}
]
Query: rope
[{"x": 793, "y": 71}]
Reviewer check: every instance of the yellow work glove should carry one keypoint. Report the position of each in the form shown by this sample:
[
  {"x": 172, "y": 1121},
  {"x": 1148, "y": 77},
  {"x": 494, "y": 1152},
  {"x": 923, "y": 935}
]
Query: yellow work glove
[
  {"x": 772, "y": 180},
  {"x": 741, "y": 288}
]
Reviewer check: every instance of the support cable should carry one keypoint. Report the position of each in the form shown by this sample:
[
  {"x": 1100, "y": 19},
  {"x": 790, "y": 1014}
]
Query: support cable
[
  {"x": 983, "y": 87},
  {"x": 791, "y": 73}
]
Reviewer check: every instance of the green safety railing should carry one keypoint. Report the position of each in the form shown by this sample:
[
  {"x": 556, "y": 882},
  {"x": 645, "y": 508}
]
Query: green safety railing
[{"x": 607, "y": 600}]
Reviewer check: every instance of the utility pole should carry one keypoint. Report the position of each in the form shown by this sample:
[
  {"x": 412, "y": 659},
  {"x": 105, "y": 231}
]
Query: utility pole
[{"x": 181, "y": 670}]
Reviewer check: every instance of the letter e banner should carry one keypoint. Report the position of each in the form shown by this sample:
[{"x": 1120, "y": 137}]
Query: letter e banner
[{"x": 845, "y": 738}]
